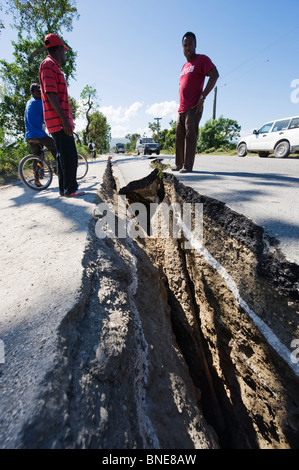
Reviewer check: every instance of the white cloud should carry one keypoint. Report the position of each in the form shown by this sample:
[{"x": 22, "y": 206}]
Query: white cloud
[
  {"x": 122, "y": 131},
  {"x": 144, "y": 131},
  {"x": 80, "y": 123},
  {"x": 121, "y": 114},
  {"x": 167, "y": 109},
  {"x": 119, "y": 131},
  {"x": 129, "y": 120}
]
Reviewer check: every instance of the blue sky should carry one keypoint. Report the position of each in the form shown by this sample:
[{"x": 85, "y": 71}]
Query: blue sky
[{"x": 130, "y": 51}]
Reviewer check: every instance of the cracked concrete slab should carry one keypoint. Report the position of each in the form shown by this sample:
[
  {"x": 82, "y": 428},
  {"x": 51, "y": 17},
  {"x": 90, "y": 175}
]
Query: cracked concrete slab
[
  {"x": 43, "y": 239},
  {"x": 69, "y": 325},
  {"x": 266, "y": 190}
]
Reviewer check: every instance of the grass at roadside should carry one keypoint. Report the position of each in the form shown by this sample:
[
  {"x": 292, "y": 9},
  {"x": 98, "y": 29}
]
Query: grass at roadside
[{"x": 8, "y": 178}]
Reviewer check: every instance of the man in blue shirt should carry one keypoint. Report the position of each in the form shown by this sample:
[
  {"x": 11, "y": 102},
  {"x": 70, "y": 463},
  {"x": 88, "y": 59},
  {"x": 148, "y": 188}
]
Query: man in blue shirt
[{"x": 35, "y": 126}]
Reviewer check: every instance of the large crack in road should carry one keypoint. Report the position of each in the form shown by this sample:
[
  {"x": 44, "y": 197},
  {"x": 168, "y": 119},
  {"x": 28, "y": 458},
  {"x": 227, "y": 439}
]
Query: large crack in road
[{"x": 175, "y": 345}]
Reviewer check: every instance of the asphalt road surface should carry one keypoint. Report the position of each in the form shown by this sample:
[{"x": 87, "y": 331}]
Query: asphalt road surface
[{"x": 266, "y": 190}]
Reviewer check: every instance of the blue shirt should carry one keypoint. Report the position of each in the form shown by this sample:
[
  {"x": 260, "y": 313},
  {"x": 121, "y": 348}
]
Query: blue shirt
[{"x": 34, "y": 119}]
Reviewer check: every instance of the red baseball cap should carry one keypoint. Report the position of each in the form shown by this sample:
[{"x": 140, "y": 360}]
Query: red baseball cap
[{"x": 52, "y": 40}]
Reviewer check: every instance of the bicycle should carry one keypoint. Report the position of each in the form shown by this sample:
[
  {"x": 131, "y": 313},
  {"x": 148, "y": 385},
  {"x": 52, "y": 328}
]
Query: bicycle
[
  {"x": 36, "y": 172},
  {"x": 92, "y": 151},
  {"x": 93, "y": 154}
]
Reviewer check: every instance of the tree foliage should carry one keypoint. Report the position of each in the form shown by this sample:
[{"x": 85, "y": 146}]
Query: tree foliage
[
  {"x": 170, "y": 138},
  {"x": 166, "y": 138},
  {"x": 89, "y": 100},
  {"x": 131, "y": 145},
  {"x": 100, "y": 132},
  {"x": 43, "y": 16},
  {"x": 155, "y": 127},
  {"x": 33, "y": 20},
  {"x": 218, "y": 133}
]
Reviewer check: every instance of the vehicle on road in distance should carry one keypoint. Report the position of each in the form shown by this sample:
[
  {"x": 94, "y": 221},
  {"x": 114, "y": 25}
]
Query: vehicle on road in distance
[
  {"x": 120, "y": 148},
  {"x": 147, "y": 146},
  {"x": 280, "y": 137}
]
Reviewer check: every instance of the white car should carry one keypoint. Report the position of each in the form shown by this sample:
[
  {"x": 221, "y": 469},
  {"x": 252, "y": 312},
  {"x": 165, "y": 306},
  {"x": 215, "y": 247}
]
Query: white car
[{"x": 280, "y": 137}]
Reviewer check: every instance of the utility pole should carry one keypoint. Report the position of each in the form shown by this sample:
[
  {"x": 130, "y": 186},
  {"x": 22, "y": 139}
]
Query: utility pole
[
  {"x": 158, "y": 127},
  {"x": 214, "y": 104}
]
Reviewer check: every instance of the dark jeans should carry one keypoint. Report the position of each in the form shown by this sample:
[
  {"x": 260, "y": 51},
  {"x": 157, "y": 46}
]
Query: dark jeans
[
  {"x": 67, "y": 162},
  {"x": 186, "y": 138},
  {"x": 37, "y": 144}
]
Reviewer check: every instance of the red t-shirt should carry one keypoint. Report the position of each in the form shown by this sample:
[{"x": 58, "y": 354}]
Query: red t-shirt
[
  {"x": 192, "y": 81},
  {"x": 52, "y": 80}
]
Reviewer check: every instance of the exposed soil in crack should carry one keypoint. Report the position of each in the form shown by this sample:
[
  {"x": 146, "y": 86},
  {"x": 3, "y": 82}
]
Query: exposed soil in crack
[
  {"x": 172, "y": 347},
  {"x": 233, "y": 329}
]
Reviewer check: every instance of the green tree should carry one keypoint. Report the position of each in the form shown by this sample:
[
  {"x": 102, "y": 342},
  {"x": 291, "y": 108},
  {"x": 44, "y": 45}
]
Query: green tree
[
  {"x": 131, "y": 145},
  {"x": 43, "y": 16},
  {"x": 218, "y": 133},
  {"x": 89, "y": 99},
  {"x": 33, "y": 20},
  {"x": 170, "y": 138},
  {"x": 75, "y": 111},
  {"x": 154, "y": 127},
  {"x": 10, "y": 154},
  {"x": 100, "y": 131}
]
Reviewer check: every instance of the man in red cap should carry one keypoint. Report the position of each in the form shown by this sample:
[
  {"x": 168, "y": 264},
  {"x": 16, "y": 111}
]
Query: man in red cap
[{"x": 58, "y": 116}]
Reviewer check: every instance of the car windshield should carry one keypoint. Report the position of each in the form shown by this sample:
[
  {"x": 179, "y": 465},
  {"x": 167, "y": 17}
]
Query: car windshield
[
  {"x": 281, "y": 125},
  {"x": 148, "y": 141},
  {"x": 266, "y": 128},
  {"x": 294, "y": 123}
]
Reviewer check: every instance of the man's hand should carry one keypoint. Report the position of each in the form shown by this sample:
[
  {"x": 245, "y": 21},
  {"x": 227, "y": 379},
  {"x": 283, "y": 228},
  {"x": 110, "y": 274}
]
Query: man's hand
[
  {"x": 213, "y": 77},
  {"x": 68, "y": 130},
  {"x": 199, "y": 106}
]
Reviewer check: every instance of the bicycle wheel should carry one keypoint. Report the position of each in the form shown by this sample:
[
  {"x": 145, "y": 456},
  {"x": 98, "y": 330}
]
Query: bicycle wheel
[
  {"x": 51, "y": 161},
  {"x": 35, "y": 173},
  {"x": 82, "y": 168}
]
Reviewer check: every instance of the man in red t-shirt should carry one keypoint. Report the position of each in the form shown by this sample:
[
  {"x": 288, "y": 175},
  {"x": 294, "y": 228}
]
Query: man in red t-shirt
[
  {"x": 192, "y": 96},
  {"x": 58, "y": 116}
]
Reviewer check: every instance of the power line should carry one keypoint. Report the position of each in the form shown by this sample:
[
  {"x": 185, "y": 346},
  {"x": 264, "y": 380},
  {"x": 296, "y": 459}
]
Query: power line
[
  {"x": 244, "y": 73},
  {"x": 259, "y": 53}
]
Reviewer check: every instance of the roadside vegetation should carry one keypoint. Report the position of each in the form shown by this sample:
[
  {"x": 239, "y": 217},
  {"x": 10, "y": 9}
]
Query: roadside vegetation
[
  {"x": 215, "y": 136},
  {"x": 32, "y": 21}
]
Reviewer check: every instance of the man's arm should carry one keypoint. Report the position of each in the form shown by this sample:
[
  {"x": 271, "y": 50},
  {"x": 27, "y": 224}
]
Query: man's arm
[
  {"x": 54, "y": 101},
  {"x": 213, "y": 77}
]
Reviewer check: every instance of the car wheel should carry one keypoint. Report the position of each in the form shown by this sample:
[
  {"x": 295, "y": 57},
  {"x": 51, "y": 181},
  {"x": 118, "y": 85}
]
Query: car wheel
[
  {"x": 242, "y": 149},
  {"x": 158, "y": 153},
  {"x": 282, "y": 150},
  {"x": 263, "y": 154}
]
